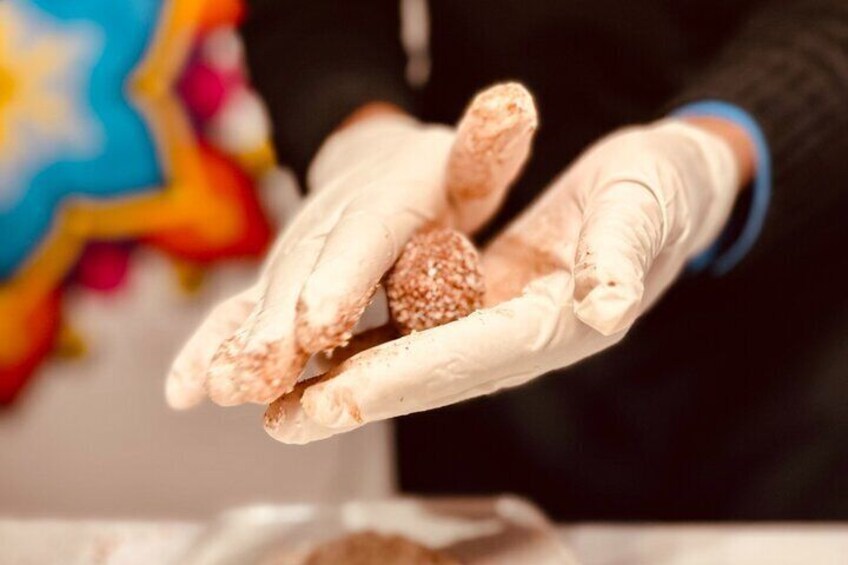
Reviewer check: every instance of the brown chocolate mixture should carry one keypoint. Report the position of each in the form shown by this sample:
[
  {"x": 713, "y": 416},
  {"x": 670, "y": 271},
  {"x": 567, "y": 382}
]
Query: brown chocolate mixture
[
  {"x": 369, "y": 548},
  {"x": 436, "y": 280}
]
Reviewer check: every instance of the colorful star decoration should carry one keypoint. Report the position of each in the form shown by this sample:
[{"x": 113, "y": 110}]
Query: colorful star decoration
[{"x": 105, "y": 114}]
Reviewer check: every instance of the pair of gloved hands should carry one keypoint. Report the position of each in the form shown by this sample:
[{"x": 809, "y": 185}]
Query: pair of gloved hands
[{"x": 567, "y": 279}]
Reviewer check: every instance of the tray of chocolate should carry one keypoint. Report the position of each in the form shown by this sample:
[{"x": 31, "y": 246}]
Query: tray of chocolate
[{"x": 408, "y": 531}]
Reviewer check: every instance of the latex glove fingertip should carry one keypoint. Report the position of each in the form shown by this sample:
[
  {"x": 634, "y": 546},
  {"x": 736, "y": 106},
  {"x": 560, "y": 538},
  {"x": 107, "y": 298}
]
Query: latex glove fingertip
[
  {"x": 608, "y": 308},
  {"x": 333, "y": 407},
  {"x": 179, "y": 395}
]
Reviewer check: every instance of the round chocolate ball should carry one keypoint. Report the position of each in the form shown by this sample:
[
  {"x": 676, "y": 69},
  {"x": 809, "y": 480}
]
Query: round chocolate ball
[{"x": 436, "y": 280}]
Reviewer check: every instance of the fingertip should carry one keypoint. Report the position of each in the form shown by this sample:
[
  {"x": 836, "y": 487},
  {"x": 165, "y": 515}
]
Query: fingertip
[
  {"x": 621, "y": 236},
  {"x": 607, "y": 307},
  {"x": 220, "y": 377},
  {"x": 493, "y": 142},
  {"x": 334, "y": 407},
  {"x": 178, "y": 396},
  {"x": 506, "y": 100},
  {"x": 256, "y": 373},
  {"x": 185, "y": 384},
  {"x": 286, "y": 421},
  {"x": 275, "y": 415}
]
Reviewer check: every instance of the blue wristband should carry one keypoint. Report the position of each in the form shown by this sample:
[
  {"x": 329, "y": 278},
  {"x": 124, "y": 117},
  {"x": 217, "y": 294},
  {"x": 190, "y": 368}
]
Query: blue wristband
[{"x": 722, "y": 257}]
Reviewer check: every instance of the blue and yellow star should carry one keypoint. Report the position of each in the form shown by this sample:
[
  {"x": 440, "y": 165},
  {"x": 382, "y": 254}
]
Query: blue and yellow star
[{"x": 96, "y": 145}]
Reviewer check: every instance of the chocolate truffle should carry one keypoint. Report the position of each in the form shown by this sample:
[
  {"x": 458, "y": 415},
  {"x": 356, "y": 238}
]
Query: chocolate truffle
[{"x": 436, "y": 280}]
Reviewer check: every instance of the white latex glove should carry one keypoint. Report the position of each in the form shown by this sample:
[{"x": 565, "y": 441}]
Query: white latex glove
[
  {"x": 372, "y": 186},
  {"x": 565, "y": 281}
]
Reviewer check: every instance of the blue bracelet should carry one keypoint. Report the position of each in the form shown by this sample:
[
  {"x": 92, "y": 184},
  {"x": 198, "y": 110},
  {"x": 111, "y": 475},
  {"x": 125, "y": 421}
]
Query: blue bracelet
[{"x": 721, "y": 257}]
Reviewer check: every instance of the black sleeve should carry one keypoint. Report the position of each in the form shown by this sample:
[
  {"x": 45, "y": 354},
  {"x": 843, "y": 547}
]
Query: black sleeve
[
  {"x": 788, "y": 67},
  {"x": 316, "y": 61}
]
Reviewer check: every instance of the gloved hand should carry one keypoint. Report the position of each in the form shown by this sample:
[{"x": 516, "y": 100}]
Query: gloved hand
[
  {"x": 373, "y": 184},
  {"x": 564, "y": 281}
]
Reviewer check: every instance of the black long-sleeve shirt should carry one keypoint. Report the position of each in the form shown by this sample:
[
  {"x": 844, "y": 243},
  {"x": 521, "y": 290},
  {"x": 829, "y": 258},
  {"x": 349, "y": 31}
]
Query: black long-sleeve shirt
[{"x": 730, "y": 398}]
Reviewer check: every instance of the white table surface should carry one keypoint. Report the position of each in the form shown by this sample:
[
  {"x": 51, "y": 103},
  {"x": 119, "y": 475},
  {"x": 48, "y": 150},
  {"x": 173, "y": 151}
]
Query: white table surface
[{"x": 41, "y": 542}]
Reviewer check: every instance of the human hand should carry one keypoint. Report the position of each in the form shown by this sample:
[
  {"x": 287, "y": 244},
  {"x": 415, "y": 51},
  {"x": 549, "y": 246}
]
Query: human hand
[
  {"x": 567, "y": 279},
  {"x": 373, "y": 184}
]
